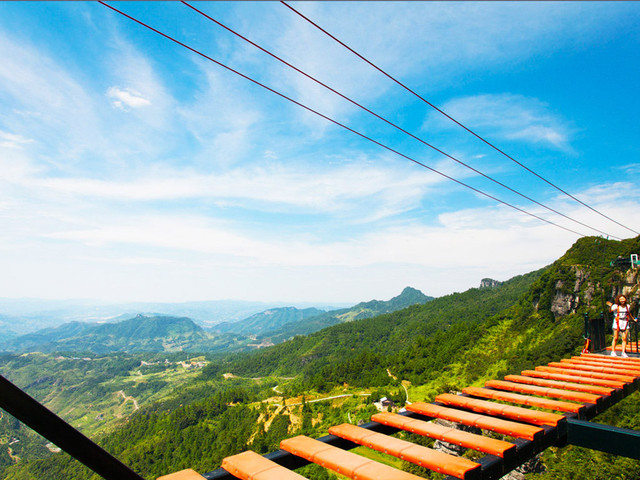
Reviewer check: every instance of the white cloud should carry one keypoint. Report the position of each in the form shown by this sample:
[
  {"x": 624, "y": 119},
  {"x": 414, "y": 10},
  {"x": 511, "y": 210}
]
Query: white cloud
[
  {"x": 611, "y": 193},
  {"x": 15, "y": 166},
  {"x": 426, "y": 45},
  {"x": 11, "y": 140},
  {"x": 378, "y": 193},
  {"x": 541, "y": 134},
  {"x": 630, "y": 169},
  {"x": 126, "y": 98},
  {"x": 130, "y": 261},
  {"x": 224, "y": 118},
  {"x": 47, "y": 103},
  {"x": 506, "y": 116},
  {"x": 456, "y": 253},
  {"x": 444, "y": 246}
]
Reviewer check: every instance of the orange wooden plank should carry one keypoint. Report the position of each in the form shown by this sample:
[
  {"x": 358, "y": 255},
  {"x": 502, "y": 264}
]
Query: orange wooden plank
[
  {"x": 498, "y": 425},
  {"x": 426, "y": 457},
  {"x": 582, "y": 367},
  {"x": 585, "y": 373},
  {"x": 343, "y": 462},
  {"x": 187, "y": 474},
  {"x": 608, "y": 361},
  {"x": 251, "y": 466},
  {"x": 555, "y": 375},
  {"x": 509, "y": 411},
  {"x": 576, "y": 387},
  {"x": 337, "y": 460},
  {"x": 596, "y": 356},
  {"x": 603, "y": 367},
  {"x": 527, "y": 400},
  {"x": 544, "y": 391},
  {"x": 611, "y": 367},
  {"x": 452, "y": 435}
]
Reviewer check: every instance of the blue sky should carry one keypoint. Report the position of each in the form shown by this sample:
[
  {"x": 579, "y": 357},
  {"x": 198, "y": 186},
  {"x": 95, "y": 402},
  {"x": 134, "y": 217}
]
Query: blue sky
[{"x": 133, "y": 169}]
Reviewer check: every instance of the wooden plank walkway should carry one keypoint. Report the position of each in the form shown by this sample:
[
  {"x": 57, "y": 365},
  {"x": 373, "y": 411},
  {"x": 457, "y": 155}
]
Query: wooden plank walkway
[{"x": 529, "y": 410}]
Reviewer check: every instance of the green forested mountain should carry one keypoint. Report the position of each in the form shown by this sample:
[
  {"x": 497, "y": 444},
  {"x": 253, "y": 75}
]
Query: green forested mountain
[
  {"x": 377, "y": 338},
  {"x": 268, "y": 321},
  {"x": 409, "y": 296},
  {"x": 46, "y": 337},
  {"x": 138, "y": 334},
  {"x": 454, "y": 341},
  {"x": 279, "y": 324}
]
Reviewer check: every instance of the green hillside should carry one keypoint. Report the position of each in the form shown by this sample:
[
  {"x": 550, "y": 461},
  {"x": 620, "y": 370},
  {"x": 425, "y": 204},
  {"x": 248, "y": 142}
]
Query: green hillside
[
  {"x": 454, "y": 341},
  {"x": 139, "y": 334},
  {"x": 408, "y": 297},
  {"x": 324, "y": 353},
  {"x": 268, "y": 321}
]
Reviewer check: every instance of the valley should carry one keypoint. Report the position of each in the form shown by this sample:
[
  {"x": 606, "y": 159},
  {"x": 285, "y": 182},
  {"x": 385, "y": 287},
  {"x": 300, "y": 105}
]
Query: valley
[{"x": 165, "y": 411}]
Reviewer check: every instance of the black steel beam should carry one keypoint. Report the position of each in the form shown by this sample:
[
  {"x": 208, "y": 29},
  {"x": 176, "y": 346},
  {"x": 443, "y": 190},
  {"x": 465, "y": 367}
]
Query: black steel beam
[
  {"x": 30, "y": 412},
  {"x": 604, "y": 438}
]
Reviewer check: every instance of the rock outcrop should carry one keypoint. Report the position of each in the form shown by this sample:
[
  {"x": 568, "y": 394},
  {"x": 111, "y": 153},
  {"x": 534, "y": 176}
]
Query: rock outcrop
[
  {"x": 489, "y": 283},
  {"x": 578, "y": 287}
]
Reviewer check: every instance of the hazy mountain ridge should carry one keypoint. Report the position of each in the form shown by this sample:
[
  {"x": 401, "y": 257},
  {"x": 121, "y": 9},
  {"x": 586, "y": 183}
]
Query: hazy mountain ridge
[
  {"x": 138, "y": 334},
  {"x": 267, "y": 321},
  {"x": 22, "y": 316},
  {"x": 161, "y": 332},
  {"x": 408, "y": 297},
  {"x": 47, "y": 336},
  {"x": 382, "y": 335}
]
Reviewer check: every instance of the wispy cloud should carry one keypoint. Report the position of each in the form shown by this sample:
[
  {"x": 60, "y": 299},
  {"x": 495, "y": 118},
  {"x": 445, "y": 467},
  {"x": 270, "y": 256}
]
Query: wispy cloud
[
  {"x": 506, "y": 116},
  {"x": 45, "y": 98},
  {"x": 380, "y": 191},
  {"x": 11, "y": 140},
  {"x": 443, "y": 41},
  {"x": 499, "y": 237},
  {"x": 630, "y": 169},
  {"x": 126, "y": 98}
]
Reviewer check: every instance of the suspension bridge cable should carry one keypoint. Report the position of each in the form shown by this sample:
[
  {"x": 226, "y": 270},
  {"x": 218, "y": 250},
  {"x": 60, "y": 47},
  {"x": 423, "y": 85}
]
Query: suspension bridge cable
[
  {"x": 310, "y": 77},
  {"x": 335, "y": 122},
  {"x": 454, "y": 120}
]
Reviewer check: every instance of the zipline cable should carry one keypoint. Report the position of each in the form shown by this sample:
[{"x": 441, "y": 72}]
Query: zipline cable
[
  {"x": 454, "y": 120},
  {"x": 310, "y": 77},
  {"x": 335, "y": 122}
]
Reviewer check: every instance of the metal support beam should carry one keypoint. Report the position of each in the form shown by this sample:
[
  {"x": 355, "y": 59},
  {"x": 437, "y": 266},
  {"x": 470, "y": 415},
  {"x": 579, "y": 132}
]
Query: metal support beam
[
  {"x": 605, "y": 438},
  {"x": 23, "y": 407}
]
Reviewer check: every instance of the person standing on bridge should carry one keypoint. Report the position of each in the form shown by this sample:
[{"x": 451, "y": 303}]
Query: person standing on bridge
[{"x": 622, "y": 312}]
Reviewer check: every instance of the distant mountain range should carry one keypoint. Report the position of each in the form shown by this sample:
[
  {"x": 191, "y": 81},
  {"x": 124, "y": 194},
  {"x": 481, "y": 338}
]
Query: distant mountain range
[
  {"x": 159, "y": 332},
  {"x": 138, "y": 334},
  {"x": 21, "y": 316},
  {"x": 408, "y": 297},
  {"x": 268, "y": 321}
]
